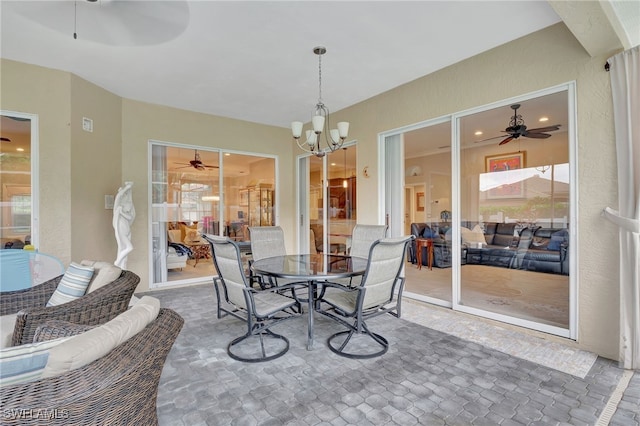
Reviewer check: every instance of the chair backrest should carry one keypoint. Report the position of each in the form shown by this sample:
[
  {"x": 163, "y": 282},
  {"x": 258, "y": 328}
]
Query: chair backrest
[
  {"x": 363, "y": 237},
  {"x": 226, "y": 257},
  {"x": 386, "y": 259},
  {"x": 266, "y": 241}
]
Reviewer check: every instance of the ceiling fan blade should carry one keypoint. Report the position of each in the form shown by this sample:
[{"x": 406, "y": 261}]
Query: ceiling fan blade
[
  {"x": 5, "y": 140},
  {"x": 545, "y": 129},
  {"x": 509, "y": 139},
  {"x": 210, "y": 167},
  {"x": 488, "y": 139},
  {"x": 536, "y": 135}
]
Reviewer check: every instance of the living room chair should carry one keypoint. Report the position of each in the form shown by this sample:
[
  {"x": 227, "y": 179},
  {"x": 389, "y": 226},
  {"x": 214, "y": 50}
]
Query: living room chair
[
  {"x": 94, "y": 308},
  {"x": 261, "y": 309},
  {"x": 376, "y": 295}
]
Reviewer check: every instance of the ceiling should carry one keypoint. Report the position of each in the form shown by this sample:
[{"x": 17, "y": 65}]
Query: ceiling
[{"x": 253, "y": 60}]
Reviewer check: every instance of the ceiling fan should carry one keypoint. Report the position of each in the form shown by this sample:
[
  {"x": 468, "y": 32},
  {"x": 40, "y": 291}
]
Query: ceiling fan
[
  {"x": 3, "y": 139},
  {"x": 517, "y": 128},
  {"x": 196, "y": 163}
]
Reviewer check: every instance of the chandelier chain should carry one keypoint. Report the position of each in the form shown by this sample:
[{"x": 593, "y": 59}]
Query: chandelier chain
[{"x": 319, "y": 78}]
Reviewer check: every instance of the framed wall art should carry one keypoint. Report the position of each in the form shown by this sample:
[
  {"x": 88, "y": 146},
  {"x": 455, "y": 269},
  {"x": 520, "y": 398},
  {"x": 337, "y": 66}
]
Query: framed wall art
[{"x": 508, "y": 184}]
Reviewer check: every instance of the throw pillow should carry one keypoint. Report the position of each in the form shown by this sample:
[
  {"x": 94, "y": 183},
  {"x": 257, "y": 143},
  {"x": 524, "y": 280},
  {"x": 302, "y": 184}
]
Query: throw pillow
[
  {"x": 73, "y": 284},
  {"x": 557, "y": 239},
  {"x": 429, "y": 233},
  {"x": 470, "y": 237},
  {"x": 103, "y": 274},
  {"x": 25, "y": 363}
]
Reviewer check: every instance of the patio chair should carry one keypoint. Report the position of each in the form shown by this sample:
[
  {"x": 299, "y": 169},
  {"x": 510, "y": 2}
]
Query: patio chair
[
  {"x": 267, "y": 241},
  {"x": 119, "y": 388},
  {"x": 261, "y": 309},
  {"x": 94, "y": 308},
  {"x": 373, "y": 297},
  {"x": 362, "y": 237}
]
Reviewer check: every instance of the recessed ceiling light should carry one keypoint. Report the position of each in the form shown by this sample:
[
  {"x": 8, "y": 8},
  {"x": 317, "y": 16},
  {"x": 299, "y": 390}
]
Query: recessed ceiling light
[
  {"x": 333, "y": 164},
  {"x": 226, "y": 154},
  {"x": 20, "y": 149},
  {"x": 478, "y": 133},
  {"x": 543, "y": 119}
]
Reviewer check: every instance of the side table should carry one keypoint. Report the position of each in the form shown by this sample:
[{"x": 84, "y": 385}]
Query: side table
[{"x": 428, "y": 243}]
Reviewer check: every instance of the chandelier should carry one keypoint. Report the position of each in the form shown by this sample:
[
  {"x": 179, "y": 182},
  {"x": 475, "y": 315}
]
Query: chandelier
[{"x": 333, "y": 138}]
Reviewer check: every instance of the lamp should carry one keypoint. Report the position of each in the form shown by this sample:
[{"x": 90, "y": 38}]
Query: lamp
[{"x": 334, "y": 138}]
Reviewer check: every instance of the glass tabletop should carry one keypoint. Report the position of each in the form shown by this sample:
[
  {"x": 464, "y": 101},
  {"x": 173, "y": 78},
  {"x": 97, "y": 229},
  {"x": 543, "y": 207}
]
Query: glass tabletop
[{"x": 310, "y": 266}]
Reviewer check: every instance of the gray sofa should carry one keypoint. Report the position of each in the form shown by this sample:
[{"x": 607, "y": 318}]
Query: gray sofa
[{"x": 532, "y": 248}]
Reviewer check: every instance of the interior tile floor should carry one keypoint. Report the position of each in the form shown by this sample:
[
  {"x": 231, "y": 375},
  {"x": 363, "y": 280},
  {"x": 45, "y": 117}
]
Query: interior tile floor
[{"x": 427, "y": 377}]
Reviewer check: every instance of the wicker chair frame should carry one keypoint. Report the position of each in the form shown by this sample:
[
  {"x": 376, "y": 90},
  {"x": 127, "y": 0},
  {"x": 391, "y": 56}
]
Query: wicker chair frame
[
  {"x": 94, "y": 308},
  {"x": 120, "y": 388}
]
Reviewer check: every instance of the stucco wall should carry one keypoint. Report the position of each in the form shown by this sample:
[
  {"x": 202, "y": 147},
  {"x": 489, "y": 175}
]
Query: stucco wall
[
  {"x": 142, "y": 122},
  {"x": 514, "y": 69},
  {"x": 46, "y": 92}
]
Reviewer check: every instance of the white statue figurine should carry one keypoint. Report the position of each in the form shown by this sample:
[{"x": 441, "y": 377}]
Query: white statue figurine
[{"x": 123, "y": 215}]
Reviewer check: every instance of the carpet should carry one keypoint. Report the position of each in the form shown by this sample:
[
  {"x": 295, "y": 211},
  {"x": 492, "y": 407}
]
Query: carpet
[{"x": 531, "y": 348}]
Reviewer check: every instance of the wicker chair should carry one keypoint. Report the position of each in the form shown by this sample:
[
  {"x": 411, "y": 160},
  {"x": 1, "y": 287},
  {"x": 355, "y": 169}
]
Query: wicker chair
[
  {"x": 94, "y": 308},
  {"x": 118, "y": 389}
]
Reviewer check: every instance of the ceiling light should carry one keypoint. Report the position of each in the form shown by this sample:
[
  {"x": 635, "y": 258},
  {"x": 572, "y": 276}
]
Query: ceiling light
[
  {"x": 543, "y": 119},
  {"x": 20, "y": 149},
  {"x": 478, "y": 133},
  {"x": 334, "y": 138}
]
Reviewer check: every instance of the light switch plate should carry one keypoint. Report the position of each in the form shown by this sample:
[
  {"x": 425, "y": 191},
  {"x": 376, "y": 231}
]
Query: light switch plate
[{"x": 108, "y": 201}]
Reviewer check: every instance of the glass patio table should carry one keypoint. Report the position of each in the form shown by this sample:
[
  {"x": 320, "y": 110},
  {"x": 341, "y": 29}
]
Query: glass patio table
[{"x": 311, "y": 269}]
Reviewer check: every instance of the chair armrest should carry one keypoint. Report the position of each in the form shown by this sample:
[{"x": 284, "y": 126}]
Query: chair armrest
[
  {"x": 94, "y": 308},
  {"x": 12, "y": 302}
]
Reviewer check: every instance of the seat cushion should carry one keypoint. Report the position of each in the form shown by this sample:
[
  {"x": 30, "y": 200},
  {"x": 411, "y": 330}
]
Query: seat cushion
[
  {"x": 85, "y": 348},
  {"x": 7, "y": 324},
  {"x": 73, "y": 284},
  {"x": 104, "y": 273}
]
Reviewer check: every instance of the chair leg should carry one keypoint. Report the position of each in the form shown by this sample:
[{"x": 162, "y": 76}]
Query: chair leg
[
  {"x": 264, "y": 335},
  {"x": 353, "y": 331}
]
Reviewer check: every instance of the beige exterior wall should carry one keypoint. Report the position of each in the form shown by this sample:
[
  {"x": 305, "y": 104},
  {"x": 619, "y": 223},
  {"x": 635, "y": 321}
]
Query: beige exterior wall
[
  {"x": 142, "y": 122},
  {"x": 510, "y": 70},
  {"x": 514, "y": 69}
]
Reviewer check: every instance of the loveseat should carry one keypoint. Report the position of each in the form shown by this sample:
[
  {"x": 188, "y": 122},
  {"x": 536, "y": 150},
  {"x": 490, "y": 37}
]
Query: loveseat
[
  {"x": 107, "y": 374},
  {"x": 508, "y": 245}
]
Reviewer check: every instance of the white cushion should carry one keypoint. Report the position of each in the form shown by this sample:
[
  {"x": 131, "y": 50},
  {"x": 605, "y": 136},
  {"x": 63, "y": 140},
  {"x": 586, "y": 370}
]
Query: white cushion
[
  {"x": 73, "y": 284},
  {"x": 25, "y": 363},
  {"x": 469, "y": 236},
  {"x": 104, "y": 273},
  {"x": 89, "y": 346},
  {"x": 7, "y": 325}
]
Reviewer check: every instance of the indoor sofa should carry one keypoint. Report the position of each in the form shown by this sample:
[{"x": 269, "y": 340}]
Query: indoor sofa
[{"x": 504, "y": 245}]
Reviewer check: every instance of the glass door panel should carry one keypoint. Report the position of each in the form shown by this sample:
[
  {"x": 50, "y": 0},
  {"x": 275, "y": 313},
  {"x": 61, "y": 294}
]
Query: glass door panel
[
  {"x": 428, "y": 173},
  {"x": 16, "y": 203},
  {"x": 199, "y": 191},
  {"x": 514, "y": 210},
  {"x": 341, "y": 197}
]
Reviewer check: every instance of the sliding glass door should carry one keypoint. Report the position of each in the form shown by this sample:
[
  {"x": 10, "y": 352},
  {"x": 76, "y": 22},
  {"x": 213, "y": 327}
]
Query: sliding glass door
[
  {"x": 494, "y": 193},
  {"x": 197, "y": 191},
  {"x": 327, "y": 201}
]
